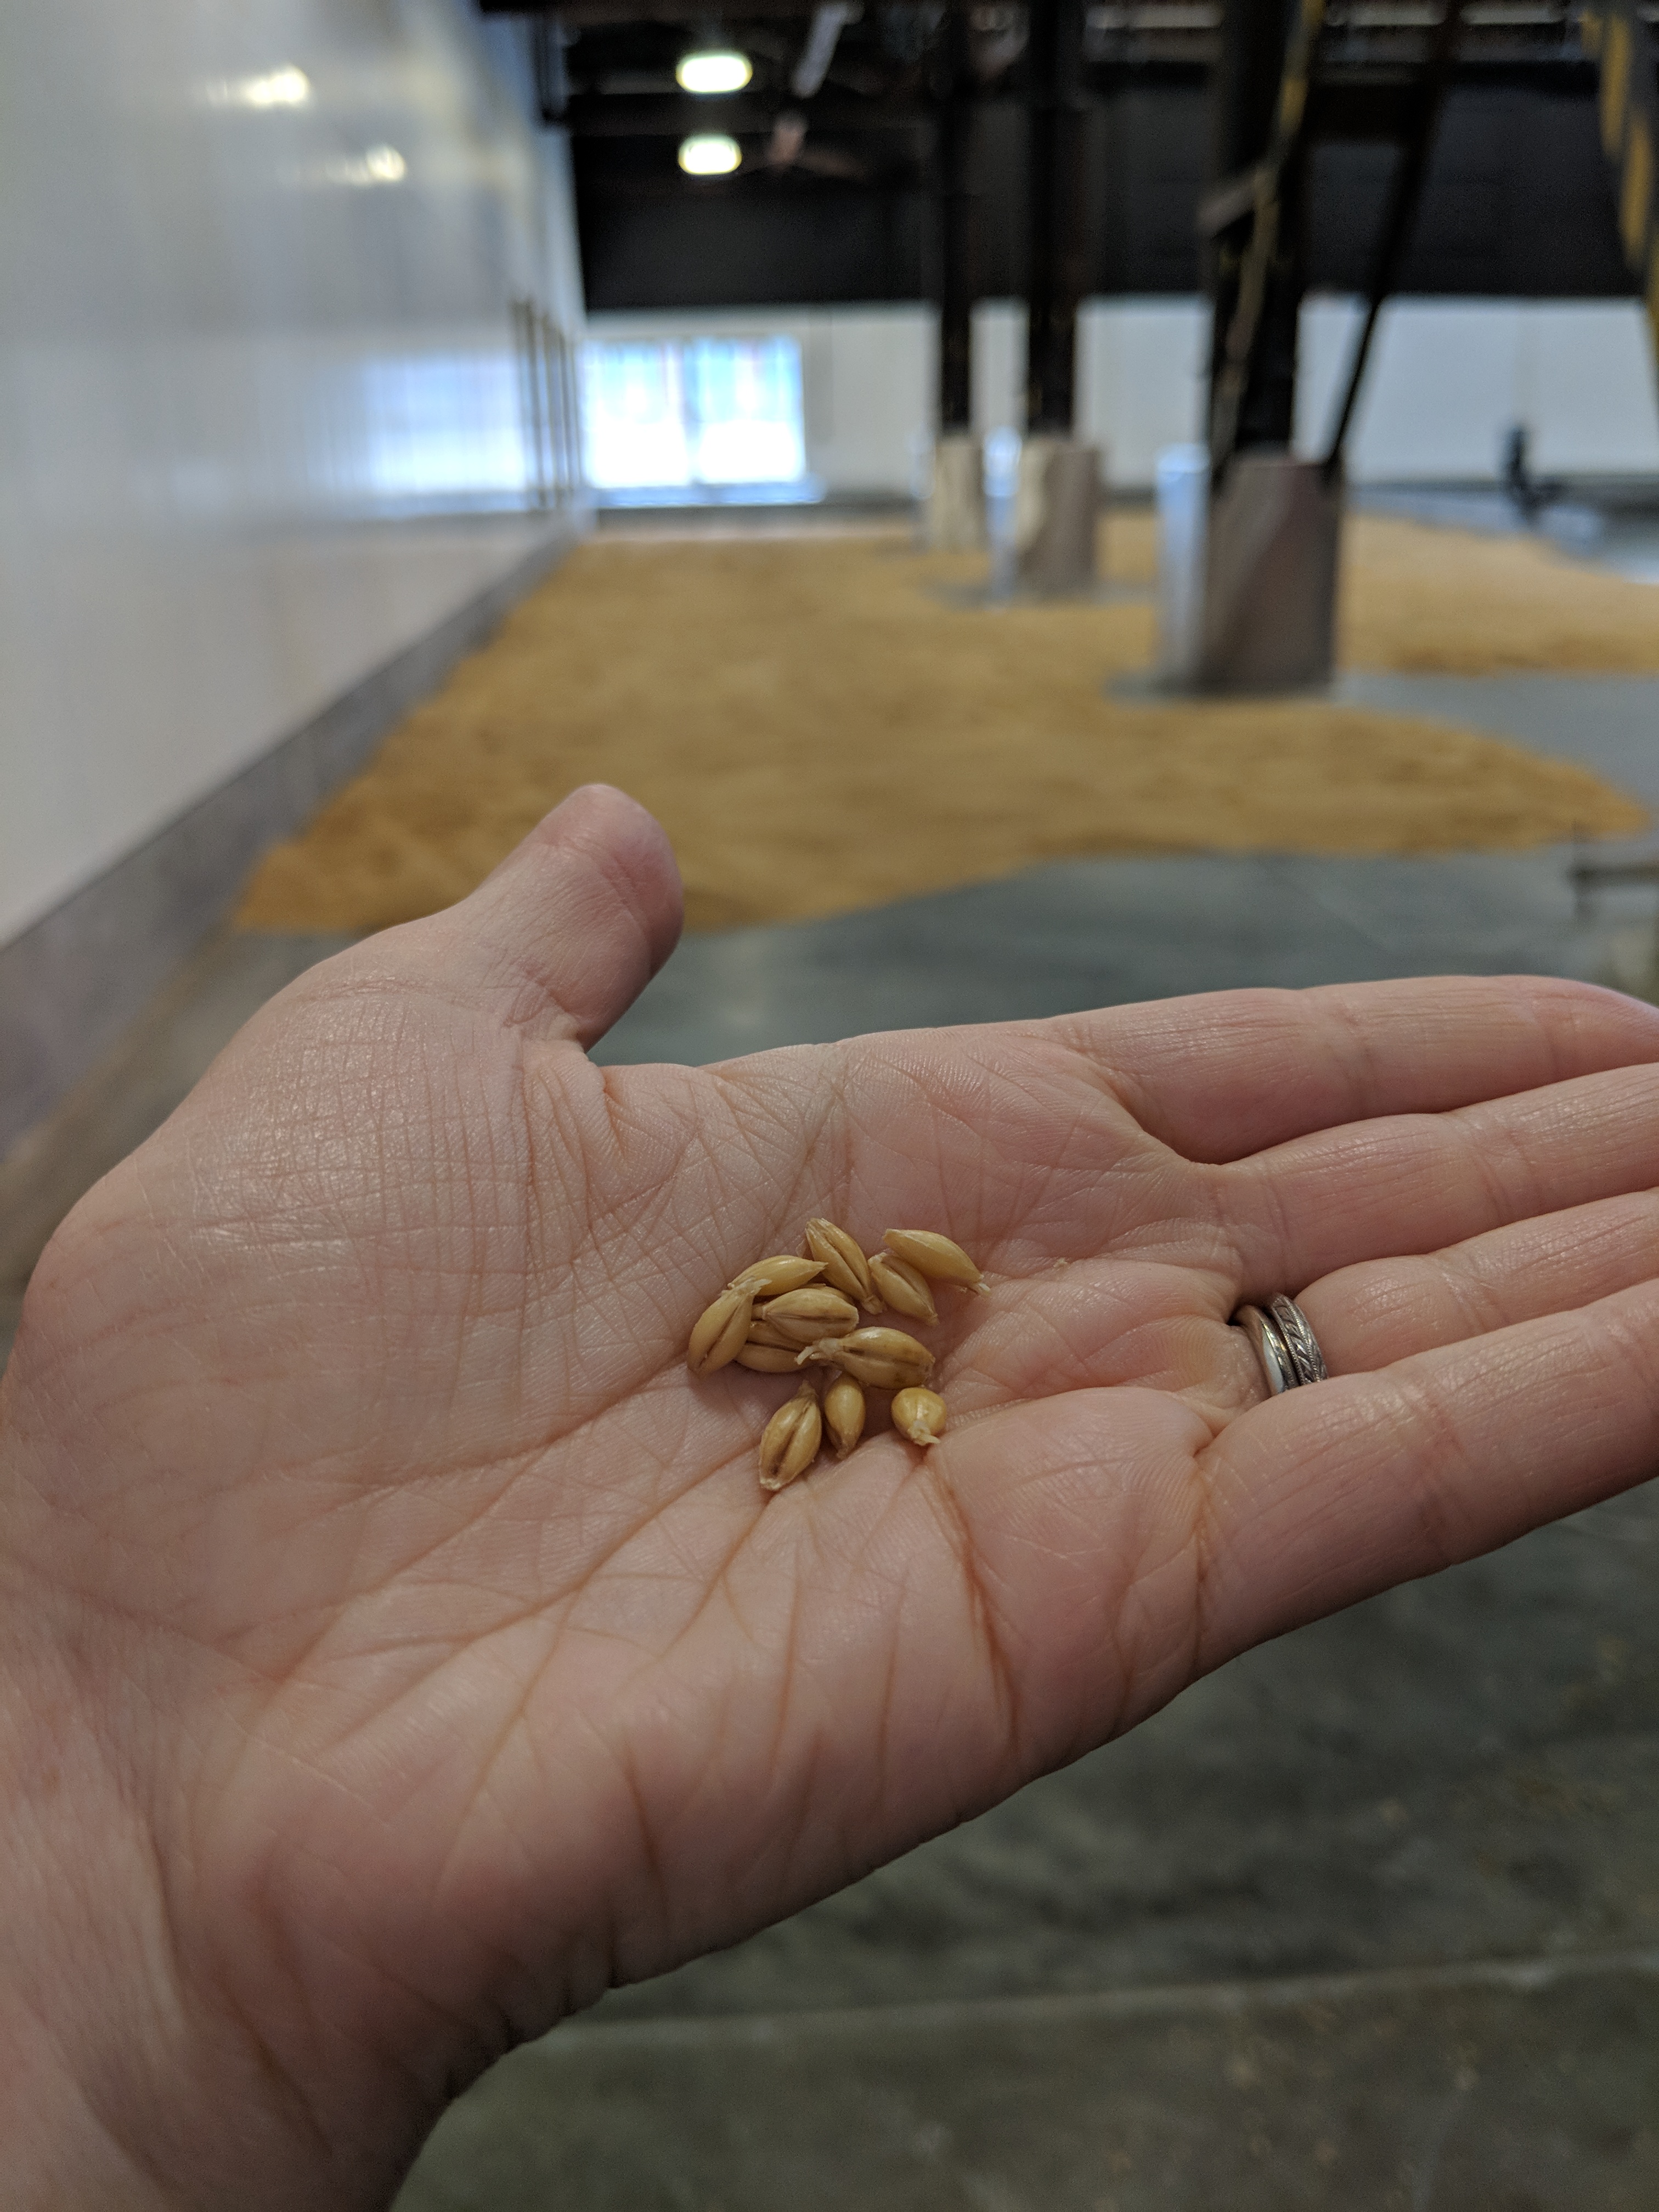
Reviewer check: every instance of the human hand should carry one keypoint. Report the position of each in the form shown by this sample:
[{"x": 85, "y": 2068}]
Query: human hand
[{"x": 398, "y": 1649}]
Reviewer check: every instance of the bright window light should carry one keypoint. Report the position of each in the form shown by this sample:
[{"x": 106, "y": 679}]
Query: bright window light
[
  {"x": 712, "y": 155},
  {"x": 633, "y": 418},
  {"x": 677, "y": 413},
  {"x": 278, "y": 87},
  {"x": 714, "y": 72}
]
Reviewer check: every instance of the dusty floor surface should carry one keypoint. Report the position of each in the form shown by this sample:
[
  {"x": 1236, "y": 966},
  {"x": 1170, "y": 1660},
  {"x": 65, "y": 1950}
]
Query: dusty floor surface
[{"x": 823, "y": 723}]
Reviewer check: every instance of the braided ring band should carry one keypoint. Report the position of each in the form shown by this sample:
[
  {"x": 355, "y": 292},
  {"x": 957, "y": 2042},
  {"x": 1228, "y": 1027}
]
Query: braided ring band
[{"x": 1303, "y": 1344}]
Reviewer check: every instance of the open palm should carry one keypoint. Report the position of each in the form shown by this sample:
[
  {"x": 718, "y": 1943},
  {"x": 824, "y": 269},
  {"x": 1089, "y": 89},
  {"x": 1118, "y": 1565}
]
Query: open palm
[{"x": 427, "y": 1653}]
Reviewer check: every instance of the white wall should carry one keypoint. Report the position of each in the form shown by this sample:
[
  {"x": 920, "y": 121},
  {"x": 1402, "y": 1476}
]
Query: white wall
[
  {"x": 1446, "y": 379},
  {"x": 998, "y": 365},
  {"x": 1141, "y": 369},
  {"x": 867, "y": 378},
  {"x": 249, "y": 345}
]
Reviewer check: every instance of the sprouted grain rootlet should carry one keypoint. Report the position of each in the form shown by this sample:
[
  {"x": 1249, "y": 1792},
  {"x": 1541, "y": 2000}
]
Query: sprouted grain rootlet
[
  {"x": 919, "y": 1415},
  {"x": 791, "y": 1311},
  {"x": 880, "y": 1359}
]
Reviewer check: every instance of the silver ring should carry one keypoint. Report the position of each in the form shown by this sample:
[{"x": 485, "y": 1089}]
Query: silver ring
[
  {"x": 1284, "y": 1344},
  {"x": 1271, "y": 1348},
  {"x": 1302, "y": 1343}
]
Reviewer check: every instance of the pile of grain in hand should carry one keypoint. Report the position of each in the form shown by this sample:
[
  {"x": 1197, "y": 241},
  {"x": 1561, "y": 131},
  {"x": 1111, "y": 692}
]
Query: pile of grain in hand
[{"x": 791, "y": 1311}]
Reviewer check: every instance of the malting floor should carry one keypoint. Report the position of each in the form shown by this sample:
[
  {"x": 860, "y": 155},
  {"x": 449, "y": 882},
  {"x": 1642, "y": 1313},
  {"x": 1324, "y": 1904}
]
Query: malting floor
[{"x": 1369, "y": 1920}]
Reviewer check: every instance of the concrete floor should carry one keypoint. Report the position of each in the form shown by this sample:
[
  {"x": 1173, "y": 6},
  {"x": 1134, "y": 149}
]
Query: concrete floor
[{"x": 1369, "y": 1920}]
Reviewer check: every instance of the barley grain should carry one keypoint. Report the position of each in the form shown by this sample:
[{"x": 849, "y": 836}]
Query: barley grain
[
  {"x": 719, "y": 1335},
  {"x": 843, "y": 1414},
  {"x": 784, "y": 1270},
  {"x": 790, "y": 1443},
  {"x": 920, "y": 1414},
  {"x": 805, "y": 1316},
  {"x": 904, "y": 1287},
  {"x": 881, "y": 1358},
  {"x": 844, "y": 1263},
  {"x": 768, "y": 1359},
  {"x": 762, "y": 1331},
  {"x": 937, "y": 1257}
]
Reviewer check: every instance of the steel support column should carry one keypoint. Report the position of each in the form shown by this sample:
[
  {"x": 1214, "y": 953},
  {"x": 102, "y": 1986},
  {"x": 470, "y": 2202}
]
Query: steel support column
[
  {"x": 956, "y": 224},
  {"x": 1058, "y": 213}
]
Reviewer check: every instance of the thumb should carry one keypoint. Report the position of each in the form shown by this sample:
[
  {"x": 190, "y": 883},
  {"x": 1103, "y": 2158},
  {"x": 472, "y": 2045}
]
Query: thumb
[{"x": 569, "y": 930}]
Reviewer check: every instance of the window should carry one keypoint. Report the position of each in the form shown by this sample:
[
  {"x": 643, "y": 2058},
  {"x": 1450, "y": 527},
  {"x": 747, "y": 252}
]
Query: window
[{"x": 705, "y": 418}]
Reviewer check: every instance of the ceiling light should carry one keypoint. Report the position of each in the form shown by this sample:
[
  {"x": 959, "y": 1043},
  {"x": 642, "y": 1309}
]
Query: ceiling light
[
  {"x": 381, "y": 165},
  {"x": 714, "y": 155},
  {"x": 283, "y": 88},
  {"x": 277, "y": 87},
  {"x": 712, "y": 71}
]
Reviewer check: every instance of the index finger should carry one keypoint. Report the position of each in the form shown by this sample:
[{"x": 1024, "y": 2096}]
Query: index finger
[{"x": 1232, "y": 1072}]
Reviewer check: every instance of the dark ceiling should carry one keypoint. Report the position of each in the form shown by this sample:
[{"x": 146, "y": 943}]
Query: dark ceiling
[{"x": 835, "y": 200}]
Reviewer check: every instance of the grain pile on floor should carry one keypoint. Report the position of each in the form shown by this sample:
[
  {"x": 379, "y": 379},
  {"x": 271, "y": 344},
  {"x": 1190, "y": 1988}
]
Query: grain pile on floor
[
  {"x": 819, "y": 726},
  {"x": 1456, "y": 603},
  {"x": 1448, "y": 602}
]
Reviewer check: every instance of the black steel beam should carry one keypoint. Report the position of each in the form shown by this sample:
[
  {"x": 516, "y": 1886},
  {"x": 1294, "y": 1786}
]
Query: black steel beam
[
  {"x": 1346, "y": 106},
  {"x": 957, "y": 223},
  {"x": 675, "y": 115},
  {"x": 1400, "y": 220},
  {"x": 585, "y": 14},
  {"x": 1058, "y": 247},
  {"x": 1377, "y": 106}
]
